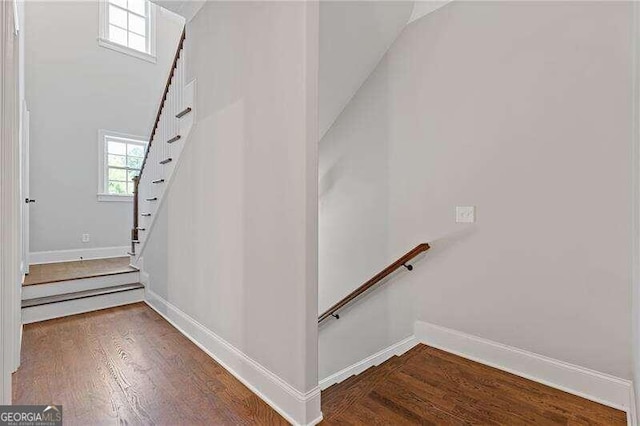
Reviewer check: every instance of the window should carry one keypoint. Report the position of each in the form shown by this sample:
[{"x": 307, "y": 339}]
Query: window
[
  {"x": 128, "y": 26},
  {"x": 120, "y": 161}
]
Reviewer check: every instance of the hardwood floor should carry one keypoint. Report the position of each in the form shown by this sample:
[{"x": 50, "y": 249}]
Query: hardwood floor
[
  {"x": 429, "y": 386},
  {"x": 127, "y": 365},
  {"x": 63, "y": 271}
]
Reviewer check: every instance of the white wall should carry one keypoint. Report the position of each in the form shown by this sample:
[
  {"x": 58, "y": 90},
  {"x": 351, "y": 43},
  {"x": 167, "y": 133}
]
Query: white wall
[
  {"x": 354, "y": 35},
  {"x": 235, "y": 242},
  {"x": 523, "y": 110},
  {"x": 75, "y": 88}
]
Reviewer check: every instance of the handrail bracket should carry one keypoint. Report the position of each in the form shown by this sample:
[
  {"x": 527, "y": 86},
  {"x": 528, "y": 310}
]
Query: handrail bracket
[{"x": 403, "y": 261}]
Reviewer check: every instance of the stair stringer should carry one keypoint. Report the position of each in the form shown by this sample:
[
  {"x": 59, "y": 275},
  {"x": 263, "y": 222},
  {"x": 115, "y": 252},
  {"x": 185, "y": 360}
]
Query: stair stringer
[{"x": 186, "y": 126}]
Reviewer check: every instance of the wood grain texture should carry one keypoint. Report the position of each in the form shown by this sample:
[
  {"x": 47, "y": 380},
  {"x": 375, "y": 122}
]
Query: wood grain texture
[
  {"x": 64, "y": 271},
  {"x": 429, "y": 386},
  {"x": 127, "y": 365},
  {"x": 77, "y": 295},
  {"x": 420, "y": 248}
]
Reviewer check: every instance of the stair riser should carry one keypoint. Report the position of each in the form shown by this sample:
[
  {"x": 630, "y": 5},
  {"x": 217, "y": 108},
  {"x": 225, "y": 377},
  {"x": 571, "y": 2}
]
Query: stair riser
[
  {"x": 71, "y": 286},
  {"x": 78, "y": 306}
]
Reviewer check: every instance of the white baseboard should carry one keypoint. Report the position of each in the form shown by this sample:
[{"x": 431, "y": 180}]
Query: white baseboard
[
  {"x": 69, "y": 255},
  {"x": 371, "y": 361},
  {"x": 296, "y": 407},
  {"x": 593, "y": 385},
  {"x": 632, "y": 412}
]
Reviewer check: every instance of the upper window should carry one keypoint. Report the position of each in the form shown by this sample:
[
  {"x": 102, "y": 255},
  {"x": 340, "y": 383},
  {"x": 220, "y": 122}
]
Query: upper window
[
  {"x": 128, "y": 26},
  {"x": 120, "y": 161}
]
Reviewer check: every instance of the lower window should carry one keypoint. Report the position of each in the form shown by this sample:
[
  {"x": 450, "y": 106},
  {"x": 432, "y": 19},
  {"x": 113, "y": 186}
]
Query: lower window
[{"x": 121, "y": 159}]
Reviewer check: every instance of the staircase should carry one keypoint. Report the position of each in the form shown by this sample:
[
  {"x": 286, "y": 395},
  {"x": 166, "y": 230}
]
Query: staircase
[
  {"x": 67, "y": 288},
  {"x": 339, "y": 398},
  {"x": 171, "y": 129},
  {"x": 55, "y": 290}
]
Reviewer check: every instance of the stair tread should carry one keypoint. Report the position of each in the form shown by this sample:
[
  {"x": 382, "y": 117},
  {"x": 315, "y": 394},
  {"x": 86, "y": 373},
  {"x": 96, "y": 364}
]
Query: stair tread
[
  {"x": 47, "y": 273},
  {"x": 183, "y": 112},
  {"x": 38, "y": 301},
  {"x": 338, "y": 398}
]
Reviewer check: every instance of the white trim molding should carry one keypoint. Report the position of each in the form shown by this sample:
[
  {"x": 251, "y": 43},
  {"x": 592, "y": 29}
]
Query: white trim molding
[
  {"x": 635, "y": 222},
  {"x": 104, "y": 41},
  {"x": 632, "y": 412},
  {"x": 103, "y": 136},
  {"x": 115, "y": 198},
  {"x": 593, "y": 385},
  {"x": 299, "y": 408},
  {"x": 371, "y": 361},
  {"x": 10, "y": 203},
  {"x": 77, "y": 254}
]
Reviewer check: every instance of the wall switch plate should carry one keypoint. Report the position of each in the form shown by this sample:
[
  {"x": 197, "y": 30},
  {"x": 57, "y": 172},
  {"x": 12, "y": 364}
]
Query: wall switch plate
[
  {"x": 86, "y": 238},
  {"x": 465, "y": 214}
]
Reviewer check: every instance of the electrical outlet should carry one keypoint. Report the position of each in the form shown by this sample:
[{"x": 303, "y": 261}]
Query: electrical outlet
[
  {"x": 465, "y": 214},
  {"x": 86, "y": 238}
]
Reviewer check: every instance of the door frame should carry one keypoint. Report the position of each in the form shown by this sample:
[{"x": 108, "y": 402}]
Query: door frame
[
  {"x": 24, "y": 187},
  {"x": 10, "y": 212},
  {"x": 635, "y": 221}
]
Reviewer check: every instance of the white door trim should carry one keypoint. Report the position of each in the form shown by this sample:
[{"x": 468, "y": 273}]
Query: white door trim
[
  {"x": 635, "y": 221},
  {"x": 24, "y": 186},
  {"x": 10, "y": 230}
]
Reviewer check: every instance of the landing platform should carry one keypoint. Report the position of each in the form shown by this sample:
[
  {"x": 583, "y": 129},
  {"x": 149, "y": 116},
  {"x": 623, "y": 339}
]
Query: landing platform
[
  {"x": 127, "y": 365},
  {"x": 65, "y": 271}
]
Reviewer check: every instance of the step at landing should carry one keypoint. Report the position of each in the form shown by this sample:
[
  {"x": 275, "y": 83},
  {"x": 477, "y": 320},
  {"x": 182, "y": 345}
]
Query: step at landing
[
  {"x": 54, "y": 290},
  {"x": 52, "y": 279},
  {"x": 61, "y": 305},
  {"x": 45, "y": 273},
  {"x": 39, "y": 301}
]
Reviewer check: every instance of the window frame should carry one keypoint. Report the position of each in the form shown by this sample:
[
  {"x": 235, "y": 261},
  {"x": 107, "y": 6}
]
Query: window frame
[
  {"x": 103, "y": 168},
  {"x": 104, "y": 41}
]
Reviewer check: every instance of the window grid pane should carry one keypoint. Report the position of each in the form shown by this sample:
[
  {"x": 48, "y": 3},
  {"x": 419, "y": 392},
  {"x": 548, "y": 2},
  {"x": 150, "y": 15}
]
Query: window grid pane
[
  {"x": 137, "y": 42},
  {"x": 117, "y": 17},
  {"x": 117, "y": 147},
  {"x": 128, "y": 23},
  {"x": 121, "y": 3},
  {"x": 123, "y": 166},
  {"x": 117, "y": 160},
  {"x": 117, "y": 35},
  {"x": 118, "y": 188},
  {"x": 137, "y": 6},
  {"x": 137, "y": 25}
]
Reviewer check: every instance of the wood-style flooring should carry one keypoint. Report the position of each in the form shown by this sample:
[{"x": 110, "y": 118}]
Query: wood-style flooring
[
  {"x": 63, "y": 271},
  {"x": 127, "y": 365},
  {"x": 427, "y": 386}
]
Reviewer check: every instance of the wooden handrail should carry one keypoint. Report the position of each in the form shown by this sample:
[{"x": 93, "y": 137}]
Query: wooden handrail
[
  {"x": 174, "y": 65},
  {"x": 420, "y": 248},
  {"x": 136, "y": 180}
]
